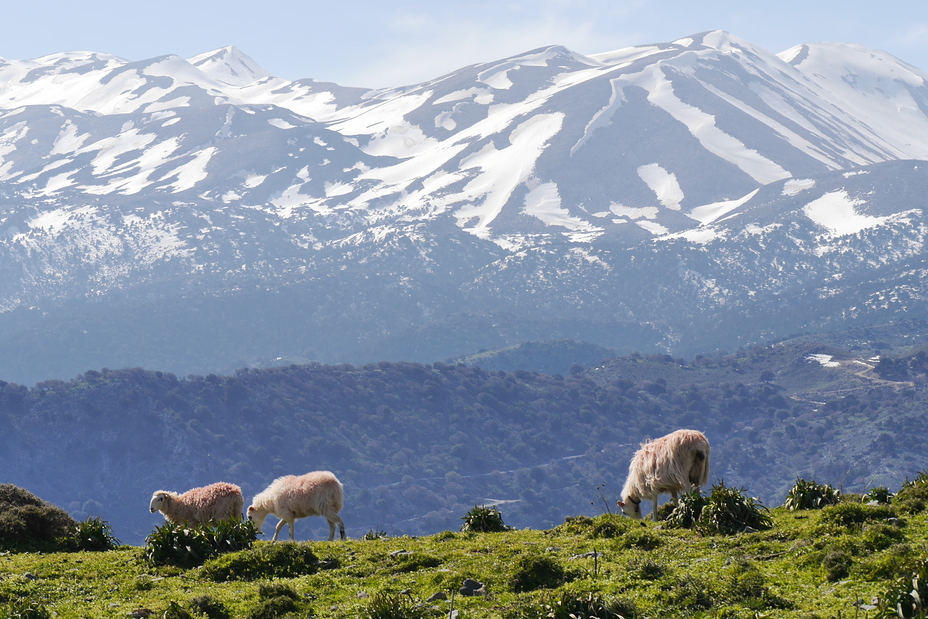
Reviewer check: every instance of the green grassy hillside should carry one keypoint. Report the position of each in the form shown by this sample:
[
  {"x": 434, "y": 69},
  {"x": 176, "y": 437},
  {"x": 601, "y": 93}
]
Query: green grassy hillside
[
  {"x": 835, "y": 562},
  {"x": 417, "y": 445}
]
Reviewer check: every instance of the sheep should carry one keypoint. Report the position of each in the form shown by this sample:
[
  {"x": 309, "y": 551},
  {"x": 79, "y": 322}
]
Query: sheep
[
  {"x": 673, "y": 463},
  {"x": 318, "y": 493},
  {"x": 200, "y": 505}
]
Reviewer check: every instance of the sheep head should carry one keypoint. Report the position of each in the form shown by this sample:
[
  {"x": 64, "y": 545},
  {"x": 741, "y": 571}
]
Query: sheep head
[
  {"x": 631, "y": 507},
  {"x": 257, "y": 516},
  {"x": 158, "y": 500}
]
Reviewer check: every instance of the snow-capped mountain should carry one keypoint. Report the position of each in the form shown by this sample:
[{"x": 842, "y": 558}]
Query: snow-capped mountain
[{"x": 622, "y": 197}]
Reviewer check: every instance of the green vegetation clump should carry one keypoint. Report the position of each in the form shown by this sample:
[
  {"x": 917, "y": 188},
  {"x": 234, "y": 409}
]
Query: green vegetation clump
[
  {"x": 810, "y": 495},
  {"x": 277, "y": 601},
  {"x": 94, "y": 534},
  {"x": 24, "y": 609},
  {"x": 572, "y": 605},
  {"x": 912, "y": 498},
  {"x": 728, "y": 511},
  {"x": 854, "y": 515},
  {"x": 536, "y": 572},
  {"x": 688, "y": 510},
  {"x": 210, "y": 607},
  {"x": 29, "y": 523},
  {"x": 880, "y": 494},
  {"x": 186, "y": 547},
  {"x": 483, "y": 519},
  {"x": 396, "y": 606},
  {"x": 265, "y": 560},
  {"x": 907, "y": 597},
  {"x": 176, "y": 611}
]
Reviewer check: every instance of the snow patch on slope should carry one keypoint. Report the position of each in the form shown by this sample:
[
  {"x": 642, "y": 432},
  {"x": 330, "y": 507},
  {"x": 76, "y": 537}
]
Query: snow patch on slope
[
  {"x": 664, "y": 185},
  {"x": 503, "y": 171},
  {"x": 544, "y": 202},
  {"x": 836, "y": 211}
]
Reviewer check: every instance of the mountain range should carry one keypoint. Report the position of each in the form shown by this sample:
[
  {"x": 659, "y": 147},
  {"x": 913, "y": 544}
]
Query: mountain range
[{"x": 199, "y": 215}]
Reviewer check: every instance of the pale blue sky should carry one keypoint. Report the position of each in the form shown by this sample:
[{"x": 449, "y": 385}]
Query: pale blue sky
[{"x": 377, "y": 43}]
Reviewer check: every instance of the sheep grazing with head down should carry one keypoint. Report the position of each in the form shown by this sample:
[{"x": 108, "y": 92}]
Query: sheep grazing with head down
[
  {"x": 674, "y": 463},
  {"x": 210, "y": 503},
  {"x": 297, "y": 496}
]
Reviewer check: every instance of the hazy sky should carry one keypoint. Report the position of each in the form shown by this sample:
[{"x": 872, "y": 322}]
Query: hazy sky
[{"x": 376, "y": 43}]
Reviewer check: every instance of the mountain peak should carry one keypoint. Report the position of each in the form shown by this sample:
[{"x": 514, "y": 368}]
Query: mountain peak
[{"x": 229, "y": 65}]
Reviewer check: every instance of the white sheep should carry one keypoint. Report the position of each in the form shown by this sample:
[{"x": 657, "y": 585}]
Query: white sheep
[
  {"x": 318, "y": 493},
  {"x": 200, "y": 505},
  {"x": 674, "y": 463}
]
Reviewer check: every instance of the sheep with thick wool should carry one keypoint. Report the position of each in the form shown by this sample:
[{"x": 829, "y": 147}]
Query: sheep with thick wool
[
  {"x": 318, "y": 493},
  {"x": 674, "y": 463},
  {"x": 210, "y": 503}
]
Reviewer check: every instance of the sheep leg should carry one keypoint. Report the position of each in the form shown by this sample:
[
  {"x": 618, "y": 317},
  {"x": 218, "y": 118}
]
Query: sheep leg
[
  {"x": 331, "y": 529},
  {"x": 279, "y": 527},
  {"x": 292, "y": 527},
  {"x": 336, "y": 520},
  {"x": 654, "y": 510}
]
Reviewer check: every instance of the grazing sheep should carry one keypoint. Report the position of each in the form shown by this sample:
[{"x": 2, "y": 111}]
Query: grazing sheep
[
  {"x": 673, "y": 463},
  {"x": 297, "y": 496},
  {"x": 200, "y": 505}
]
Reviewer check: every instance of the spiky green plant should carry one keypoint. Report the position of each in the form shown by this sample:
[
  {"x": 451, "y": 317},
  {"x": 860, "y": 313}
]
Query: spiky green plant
[
  {"x": 912, "y": 498},
  {"x": 396, "y": 606},
  {"x": 810, "y": 495},
  {"x": 186, "y": 547},
  {"x": 572, "y": 605},
  {"x": 94, "y": 534},
  {"x": 880, "y": 494},
  {"x": 483, "y": 519},
  {"x": 24, "y": 609},
  {"x": 907, "y": 597},
  {"x": 686, "y": 513},
  {"x": 729, "y": 511}
]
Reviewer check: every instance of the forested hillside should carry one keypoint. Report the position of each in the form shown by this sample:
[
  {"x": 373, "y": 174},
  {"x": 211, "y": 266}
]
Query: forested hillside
[{"x": 417, "y": 445}]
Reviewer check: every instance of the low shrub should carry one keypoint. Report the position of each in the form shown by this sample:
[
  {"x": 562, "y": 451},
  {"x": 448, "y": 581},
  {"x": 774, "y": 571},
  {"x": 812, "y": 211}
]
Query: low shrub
[
  {"x": 689, "y": 593},
  {"x": 745, "y": 585},
  {"x": 641, "y": 538},
  {"x": 536, "y": 572},
  {"x": 483, "y": 519},
  {"x": 267, "y": 560},
  {"x": 186, "y": 547},
  {"x": 396, "y": 606},
  {"x": 605, "y": 526},
  {"x": 837, "y": 565},
  {"x": 576, "y": 525},
  {"x": 29, "y": 523},
  {"x": 645, "y": 568},
  {"x": 907, "y": 597},
  {"x": 913, "y": 496},
  {"x": 24, "y": 608},
  {"x": 854, "y": 515},
  {"x": 210, "y": 607},
  {"x": 888, "y": 565},
  {"x": 810, "y": 495},
  {"x": 573, "y": 605},
  {"x": 880, "y": 494},
  {"x": 608, "y": 526},
  {"x": 414, "y": 562},
  {"x": 728, "y": 511},
  {"x": 880, "y": 536},
  {"x": 276, "y": 601},
  {"x": 176, "y": 611},
  {"x": 95, "y": 535},
  {"x": 688, "y": 509}
]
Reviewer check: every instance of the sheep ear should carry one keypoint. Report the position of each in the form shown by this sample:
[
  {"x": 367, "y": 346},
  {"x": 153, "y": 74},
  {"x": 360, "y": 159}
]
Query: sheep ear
[{"x": 620, "y": 503}]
